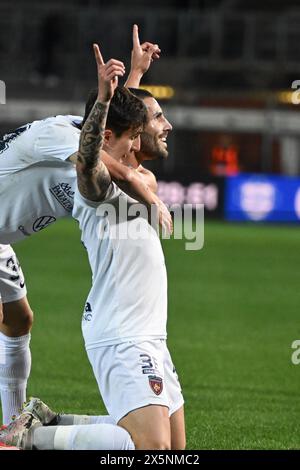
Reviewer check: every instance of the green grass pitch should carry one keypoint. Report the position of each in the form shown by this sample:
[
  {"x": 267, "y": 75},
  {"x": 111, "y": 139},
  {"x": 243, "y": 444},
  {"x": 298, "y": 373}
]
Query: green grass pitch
[{"x": 234, "y": 311}]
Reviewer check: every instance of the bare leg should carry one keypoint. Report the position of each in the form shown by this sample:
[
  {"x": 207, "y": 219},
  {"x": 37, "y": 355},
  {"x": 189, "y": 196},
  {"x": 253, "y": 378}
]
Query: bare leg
[
  {"x": 149, "y": 427},
  {"x": 178, "y": 439}
]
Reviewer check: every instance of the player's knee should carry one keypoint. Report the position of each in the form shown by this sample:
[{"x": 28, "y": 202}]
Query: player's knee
[
  {"x": 17, "y": 318},
  {"x": 27, "y": 319}
]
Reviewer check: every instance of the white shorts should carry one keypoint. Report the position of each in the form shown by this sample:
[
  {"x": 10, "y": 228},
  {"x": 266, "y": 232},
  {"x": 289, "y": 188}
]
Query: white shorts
[
  {"x": 133, "y": 375},
  {"x": 12, "y": 284}
]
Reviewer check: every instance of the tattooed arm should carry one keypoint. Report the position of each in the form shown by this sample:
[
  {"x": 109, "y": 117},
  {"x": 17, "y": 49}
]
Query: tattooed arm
[{"x": 92, "y": 175}]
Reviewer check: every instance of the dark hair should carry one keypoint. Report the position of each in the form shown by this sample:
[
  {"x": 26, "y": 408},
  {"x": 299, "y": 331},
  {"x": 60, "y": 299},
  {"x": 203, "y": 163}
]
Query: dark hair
[
  {"x": 126, "y": 111},
  {"x": 141, "y": 93}
]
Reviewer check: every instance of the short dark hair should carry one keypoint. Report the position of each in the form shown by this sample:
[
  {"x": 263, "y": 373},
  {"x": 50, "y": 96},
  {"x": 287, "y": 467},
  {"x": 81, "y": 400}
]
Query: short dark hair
[
  {"x": 141, "y": 93},
  {"x": 126, "y": 111}
]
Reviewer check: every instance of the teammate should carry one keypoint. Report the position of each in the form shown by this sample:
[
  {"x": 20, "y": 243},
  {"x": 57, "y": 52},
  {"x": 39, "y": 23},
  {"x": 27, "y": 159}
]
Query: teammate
[{"x": 36, "y": 189}]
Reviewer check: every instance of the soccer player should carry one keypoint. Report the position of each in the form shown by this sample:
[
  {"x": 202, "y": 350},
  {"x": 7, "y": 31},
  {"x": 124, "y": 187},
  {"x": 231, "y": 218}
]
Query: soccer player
[
  {"x": 37, "y": 183},
  {"x": 153, "y": 146},
  {"x": 125, "y": 334}
]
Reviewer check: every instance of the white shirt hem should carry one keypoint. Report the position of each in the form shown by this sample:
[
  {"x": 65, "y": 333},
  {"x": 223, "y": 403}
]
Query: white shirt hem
[{"x": 114, "y": 341}]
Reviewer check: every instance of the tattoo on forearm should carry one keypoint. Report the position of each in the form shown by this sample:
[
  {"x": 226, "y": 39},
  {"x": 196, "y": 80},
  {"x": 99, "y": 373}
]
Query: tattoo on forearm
[
  {"x": 95, "y": 185},
  {"x": 92, "y": 135}
]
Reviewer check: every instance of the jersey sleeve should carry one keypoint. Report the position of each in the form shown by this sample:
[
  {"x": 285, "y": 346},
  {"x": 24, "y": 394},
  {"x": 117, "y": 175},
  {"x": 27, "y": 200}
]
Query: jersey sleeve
[
  {"x": 112, "y": 194},
  {"x": 56, "y": 141}
]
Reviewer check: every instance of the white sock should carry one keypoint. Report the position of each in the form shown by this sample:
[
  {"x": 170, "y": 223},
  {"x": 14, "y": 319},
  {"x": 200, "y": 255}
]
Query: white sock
[
  {"x": 70, "y": 420},
  {"x": 82, "y": 437},
  {"x": 15, "y": 365}
]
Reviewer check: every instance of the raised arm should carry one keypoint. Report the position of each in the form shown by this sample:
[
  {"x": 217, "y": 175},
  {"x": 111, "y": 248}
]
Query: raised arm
[
  {"x": 92, "y": 175},
  {"x": 94, "y": 167},
  {"x": 141, "y": 57}
]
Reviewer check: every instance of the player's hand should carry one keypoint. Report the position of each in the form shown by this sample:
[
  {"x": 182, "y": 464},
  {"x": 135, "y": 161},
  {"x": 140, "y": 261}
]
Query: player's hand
[
  {"x": 164, "y": 218},
  {"x": 108, "y": 74},
  {"x": 142, "y": 54}
]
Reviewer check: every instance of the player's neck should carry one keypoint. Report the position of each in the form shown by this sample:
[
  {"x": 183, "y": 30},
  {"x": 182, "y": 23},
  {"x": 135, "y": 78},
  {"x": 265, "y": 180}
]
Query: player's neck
[
  {"x": 130, "y": 160},
  {"x": 140, "y": 157}
]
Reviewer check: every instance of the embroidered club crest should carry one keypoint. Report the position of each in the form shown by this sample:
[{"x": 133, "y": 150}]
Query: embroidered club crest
[{"x": 156, "y": 384}]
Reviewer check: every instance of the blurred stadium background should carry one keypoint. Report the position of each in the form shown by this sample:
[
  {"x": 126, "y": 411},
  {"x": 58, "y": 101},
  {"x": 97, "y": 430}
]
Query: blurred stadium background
[{"x": 224, "y": 80}]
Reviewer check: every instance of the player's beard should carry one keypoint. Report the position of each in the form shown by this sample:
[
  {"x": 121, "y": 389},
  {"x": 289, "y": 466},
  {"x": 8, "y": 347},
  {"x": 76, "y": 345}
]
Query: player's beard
[{"x": 152, "y": 147}]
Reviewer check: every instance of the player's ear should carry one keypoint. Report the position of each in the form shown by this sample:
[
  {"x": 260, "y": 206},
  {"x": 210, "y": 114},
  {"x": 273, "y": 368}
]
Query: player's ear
[{"x": 107, "y": 136}]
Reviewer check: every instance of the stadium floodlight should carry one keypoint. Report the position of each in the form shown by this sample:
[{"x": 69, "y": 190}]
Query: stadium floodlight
[{"x": 2, "y": 92}]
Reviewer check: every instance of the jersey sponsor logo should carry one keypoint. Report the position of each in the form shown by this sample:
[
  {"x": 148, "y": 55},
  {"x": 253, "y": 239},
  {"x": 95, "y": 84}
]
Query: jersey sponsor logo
[
  {"x": 87, "y": 314},
  {"x": 156, "y": 384},
  {"x": 64, "y": 194},
  {"x": 8, "y": 138},
  {"x": 43, "y": 222}
]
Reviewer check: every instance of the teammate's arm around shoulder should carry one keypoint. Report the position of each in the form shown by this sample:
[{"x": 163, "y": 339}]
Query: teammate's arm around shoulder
[
  {"x": 148, "y": 177},
  {"x": 92, "y": 175}
]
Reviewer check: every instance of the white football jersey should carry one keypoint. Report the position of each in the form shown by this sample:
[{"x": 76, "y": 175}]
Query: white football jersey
[
  {"x": 128, "y": 298},
  {"x": 36, "y": 180}
]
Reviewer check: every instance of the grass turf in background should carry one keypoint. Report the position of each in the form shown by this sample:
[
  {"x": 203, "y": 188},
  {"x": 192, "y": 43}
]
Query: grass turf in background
[{"x": 233, "y": 314}]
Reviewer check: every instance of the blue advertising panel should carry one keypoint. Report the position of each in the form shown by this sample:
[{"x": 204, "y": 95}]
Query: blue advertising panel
[{"x": 262, "y": 198}]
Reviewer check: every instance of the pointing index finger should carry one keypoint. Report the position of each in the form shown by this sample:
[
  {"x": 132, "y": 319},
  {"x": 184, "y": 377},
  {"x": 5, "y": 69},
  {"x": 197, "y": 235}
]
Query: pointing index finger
[
  {"x": 135, "y": 36},
  {"x": 98, "y": 56}
]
